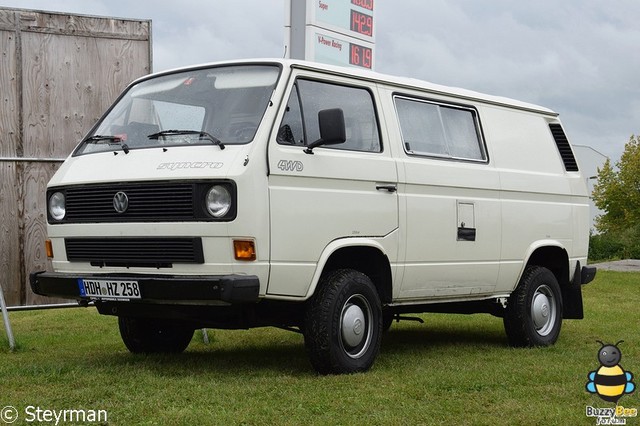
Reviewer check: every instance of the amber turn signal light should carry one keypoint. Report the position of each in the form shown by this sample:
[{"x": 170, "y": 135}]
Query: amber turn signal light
[
  {"x": 244, "y": 250},
  {"x": 48, "y": 248}
]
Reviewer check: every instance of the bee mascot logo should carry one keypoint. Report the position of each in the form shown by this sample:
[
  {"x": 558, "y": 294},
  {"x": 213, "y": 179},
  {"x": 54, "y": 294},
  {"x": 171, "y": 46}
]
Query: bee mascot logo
[{"x": 610, "y": 381}]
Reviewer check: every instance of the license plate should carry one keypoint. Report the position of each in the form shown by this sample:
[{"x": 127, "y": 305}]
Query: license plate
[{"x": 109, "y": 289}]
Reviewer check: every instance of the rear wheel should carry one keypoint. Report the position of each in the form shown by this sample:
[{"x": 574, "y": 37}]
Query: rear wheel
[
  {"x": 144, "y": 335},
  {"x": 343, "y": 323},
  {"x": 534, "y": 313}
]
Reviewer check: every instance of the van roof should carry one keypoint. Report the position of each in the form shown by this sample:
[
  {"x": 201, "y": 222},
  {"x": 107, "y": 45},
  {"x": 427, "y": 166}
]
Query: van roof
[{"x": 399, "y": 82}]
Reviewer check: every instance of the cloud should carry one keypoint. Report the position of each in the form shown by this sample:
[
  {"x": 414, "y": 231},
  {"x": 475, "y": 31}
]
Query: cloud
[
  {"x": 575, "y": 56},
  {"x": 578, "y": 57},
  {"x": 218, "y": 33}
]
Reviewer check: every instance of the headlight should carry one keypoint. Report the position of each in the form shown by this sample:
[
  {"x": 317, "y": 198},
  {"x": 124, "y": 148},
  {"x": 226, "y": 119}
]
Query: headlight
[
  {"x": 218, "y": 201},
  {"x": 57, "y": 208}
]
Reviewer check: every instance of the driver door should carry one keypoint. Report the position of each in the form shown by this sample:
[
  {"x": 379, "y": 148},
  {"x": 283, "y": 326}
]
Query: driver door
[{"x": 336, "y": 192}]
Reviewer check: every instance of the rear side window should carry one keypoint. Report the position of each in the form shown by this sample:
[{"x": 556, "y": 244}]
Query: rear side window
[
  {"x": 300, "y": 123},
  {"x": 439, "y": 130}
]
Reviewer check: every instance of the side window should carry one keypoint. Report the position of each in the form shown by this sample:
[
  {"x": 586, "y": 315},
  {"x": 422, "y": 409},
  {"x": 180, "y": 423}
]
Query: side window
[
  {"x": 291, "y": 131},
  {"x": 300, "y": 123},
  {"x": 439, "y": 130},
  {"x": 421, "y": 127}
]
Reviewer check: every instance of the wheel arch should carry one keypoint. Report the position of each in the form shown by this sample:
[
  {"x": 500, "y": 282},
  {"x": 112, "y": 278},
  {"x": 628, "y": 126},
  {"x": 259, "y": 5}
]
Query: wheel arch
[
  {"x": 553, "y": 256},
  {"x": 363, "y": 255}
]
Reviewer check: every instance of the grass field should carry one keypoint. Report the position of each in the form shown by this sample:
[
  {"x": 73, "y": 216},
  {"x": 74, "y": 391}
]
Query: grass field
[{"x": 453, "y": 369}]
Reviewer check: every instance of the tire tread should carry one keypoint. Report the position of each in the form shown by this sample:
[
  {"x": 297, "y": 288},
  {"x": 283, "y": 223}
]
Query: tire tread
[
  {"x": 323, "y": 312},
  {"x": 517, "y": 321}
]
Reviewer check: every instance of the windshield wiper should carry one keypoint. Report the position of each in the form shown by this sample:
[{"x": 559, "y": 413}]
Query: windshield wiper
[
  {"x": 103, "y": 138},
  {"x": 108, "y": 139},
  {"x": 201, "y": 135}
]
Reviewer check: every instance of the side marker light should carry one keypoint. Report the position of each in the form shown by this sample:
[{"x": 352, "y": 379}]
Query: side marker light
[{"x": 244, "y": 250}]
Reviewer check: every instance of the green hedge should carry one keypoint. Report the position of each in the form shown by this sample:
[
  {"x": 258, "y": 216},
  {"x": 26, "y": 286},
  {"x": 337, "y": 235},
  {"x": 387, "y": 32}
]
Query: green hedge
[{"x": 615, "y": 246}]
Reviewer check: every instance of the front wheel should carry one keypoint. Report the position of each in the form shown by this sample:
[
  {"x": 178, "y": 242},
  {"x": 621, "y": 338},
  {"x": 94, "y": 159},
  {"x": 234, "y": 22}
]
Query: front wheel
[
  {"x": 534, "y": 312},
  {"x": 143, "y": 335},
  {"x": 343, "y": 323}
]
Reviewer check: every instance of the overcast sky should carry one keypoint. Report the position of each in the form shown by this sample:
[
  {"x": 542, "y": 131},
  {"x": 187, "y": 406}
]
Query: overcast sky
[{"x": 580, "y": 58}]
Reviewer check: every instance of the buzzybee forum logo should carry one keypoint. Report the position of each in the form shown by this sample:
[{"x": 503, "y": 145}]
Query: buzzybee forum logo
[{"x": 610, "y": 382}]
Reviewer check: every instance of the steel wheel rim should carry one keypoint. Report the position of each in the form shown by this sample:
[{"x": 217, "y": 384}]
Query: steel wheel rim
[
  {"x": 355, "y": 326},
  {"x": 543, "y": 310}
]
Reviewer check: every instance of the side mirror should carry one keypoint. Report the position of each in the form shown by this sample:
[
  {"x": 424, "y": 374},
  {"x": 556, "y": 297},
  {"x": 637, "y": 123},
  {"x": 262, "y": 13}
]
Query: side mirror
[{"x": 332, "y": 129}]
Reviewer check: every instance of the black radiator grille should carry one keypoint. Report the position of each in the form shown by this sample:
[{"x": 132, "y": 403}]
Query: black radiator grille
[
  {"x": 150, "y": 252},
  {"x": 163, "y": 201},
  {"x": 146, "y": 202}
]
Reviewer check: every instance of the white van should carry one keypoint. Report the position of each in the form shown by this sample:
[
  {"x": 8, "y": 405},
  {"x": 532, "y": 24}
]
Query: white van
[{"x": 319, "y": 199}]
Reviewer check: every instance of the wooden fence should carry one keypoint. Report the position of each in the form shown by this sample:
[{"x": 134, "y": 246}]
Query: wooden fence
[{"x": 58, "y": 73}]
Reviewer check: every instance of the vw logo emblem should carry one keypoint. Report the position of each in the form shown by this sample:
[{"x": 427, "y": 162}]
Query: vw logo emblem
[{"x": 120, "y": 202}]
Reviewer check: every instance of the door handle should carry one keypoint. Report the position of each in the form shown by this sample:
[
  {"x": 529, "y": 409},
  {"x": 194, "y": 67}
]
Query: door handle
[{"x": 386, "y": 187}]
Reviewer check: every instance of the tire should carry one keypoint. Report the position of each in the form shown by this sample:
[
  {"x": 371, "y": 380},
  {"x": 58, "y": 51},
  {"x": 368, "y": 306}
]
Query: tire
[
  {"x": 343, "y": 324},
  {"x": 143, "y": 335},
  {"x": 533, "y": 316}
]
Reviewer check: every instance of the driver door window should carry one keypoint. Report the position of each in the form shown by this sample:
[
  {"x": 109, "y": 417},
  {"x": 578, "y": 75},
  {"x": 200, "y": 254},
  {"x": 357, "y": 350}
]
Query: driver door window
[{"x": 300, "y": 123}]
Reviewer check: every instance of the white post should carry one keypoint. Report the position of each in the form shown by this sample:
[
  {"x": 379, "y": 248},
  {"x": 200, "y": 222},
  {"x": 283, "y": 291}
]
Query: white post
[{"x": 7, "y": 324}]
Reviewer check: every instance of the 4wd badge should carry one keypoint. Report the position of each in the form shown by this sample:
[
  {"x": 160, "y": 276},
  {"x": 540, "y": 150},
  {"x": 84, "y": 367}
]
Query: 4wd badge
[{"x": 290, "y": 166}]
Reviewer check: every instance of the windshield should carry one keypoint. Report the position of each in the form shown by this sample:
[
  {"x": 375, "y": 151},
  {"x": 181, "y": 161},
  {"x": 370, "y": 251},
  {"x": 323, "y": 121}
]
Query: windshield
[{"x": 219, "y": 106}]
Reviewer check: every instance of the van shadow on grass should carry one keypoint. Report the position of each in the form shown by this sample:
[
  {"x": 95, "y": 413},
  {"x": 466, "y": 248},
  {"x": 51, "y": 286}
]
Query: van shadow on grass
[
  {"x": 272, "y": 357},
  {"x": 271, "y": 354},
  {"x": 428, "y": 338}
]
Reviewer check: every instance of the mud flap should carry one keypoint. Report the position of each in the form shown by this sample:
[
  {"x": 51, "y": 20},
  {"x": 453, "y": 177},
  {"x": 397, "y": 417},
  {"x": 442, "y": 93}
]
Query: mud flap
[
  {"x": 572, "y": 296},
  {"x": 572, "y": 299}
]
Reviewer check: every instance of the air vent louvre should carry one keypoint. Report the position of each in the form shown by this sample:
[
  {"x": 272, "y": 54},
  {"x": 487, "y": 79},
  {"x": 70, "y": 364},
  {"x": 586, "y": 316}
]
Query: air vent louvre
[{"x": 564, "y": 148}]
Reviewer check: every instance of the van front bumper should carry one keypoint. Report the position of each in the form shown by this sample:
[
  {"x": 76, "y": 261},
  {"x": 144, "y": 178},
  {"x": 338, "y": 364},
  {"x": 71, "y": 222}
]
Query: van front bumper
[{"x": 155, "y": 288}]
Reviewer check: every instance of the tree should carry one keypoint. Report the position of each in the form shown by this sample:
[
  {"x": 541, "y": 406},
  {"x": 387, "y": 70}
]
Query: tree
[{"x": 617, "y": 193}]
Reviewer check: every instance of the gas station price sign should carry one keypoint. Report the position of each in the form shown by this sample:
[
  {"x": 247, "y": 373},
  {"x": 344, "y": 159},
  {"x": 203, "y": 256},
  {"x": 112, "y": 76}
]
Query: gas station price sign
[
  {"x": 361, "y": 56},
  {"x": 338, "y": 32},
  {"x": 341, "y": 50},
  {"x": 361, "y": 23},
  {"x": 353, "y": 18}
]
